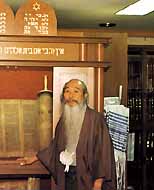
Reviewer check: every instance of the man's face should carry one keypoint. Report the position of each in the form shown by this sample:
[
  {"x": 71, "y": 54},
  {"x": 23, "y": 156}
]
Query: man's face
[{"x": 73, "y": 93}]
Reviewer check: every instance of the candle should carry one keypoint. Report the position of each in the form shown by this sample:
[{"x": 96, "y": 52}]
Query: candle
[
  {"x": 120, "y": 92},
  {"x": 45, "y": 83}
]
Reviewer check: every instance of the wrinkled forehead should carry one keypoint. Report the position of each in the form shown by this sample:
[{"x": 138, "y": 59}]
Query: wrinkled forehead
[{"x": 74, "y": 84}]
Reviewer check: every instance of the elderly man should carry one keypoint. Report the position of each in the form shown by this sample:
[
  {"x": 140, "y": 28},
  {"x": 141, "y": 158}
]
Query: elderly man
[{"x": 80, "y": 157}]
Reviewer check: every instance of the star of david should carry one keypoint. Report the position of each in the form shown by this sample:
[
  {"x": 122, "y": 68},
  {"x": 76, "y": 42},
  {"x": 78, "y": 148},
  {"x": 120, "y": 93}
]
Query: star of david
[{"x": 36, "y": 6}]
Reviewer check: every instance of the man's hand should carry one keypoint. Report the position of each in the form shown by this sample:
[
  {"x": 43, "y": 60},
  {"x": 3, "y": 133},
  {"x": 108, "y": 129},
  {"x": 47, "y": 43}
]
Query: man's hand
[
  {"x": 98, "y": 184},
  {"x": 27, "y": 160}
]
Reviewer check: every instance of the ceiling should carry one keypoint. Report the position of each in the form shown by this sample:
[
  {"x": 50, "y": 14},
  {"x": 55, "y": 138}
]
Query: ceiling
[{"x": 86, "y": 14}]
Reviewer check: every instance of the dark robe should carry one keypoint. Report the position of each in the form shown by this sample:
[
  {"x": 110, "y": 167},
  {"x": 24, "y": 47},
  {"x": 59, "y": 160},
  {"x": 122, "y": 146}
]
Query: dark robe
[{"x": 94, "y": 154}]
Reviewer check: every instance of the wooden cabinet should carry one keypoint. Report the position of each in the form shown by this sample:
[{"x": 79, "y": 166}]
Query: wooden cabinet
[
  {"x": 141, "y": 104},
  {"x": 35, "y": 56}
]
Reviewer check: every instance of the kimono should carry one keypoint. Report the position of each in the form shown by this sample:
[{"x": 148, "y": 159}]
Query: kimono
[{"x": 94, "y": 154}]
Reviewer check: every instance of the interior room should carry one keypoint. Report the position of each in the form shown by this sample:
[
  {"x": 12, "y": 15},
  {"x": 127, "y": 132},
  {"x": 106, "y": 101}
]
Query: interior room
[{"x": 46, "y": 43}]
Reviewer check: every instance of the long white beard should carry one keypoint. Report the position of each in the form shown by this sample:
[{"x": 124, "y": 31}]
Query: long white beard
[{"x": 73, "y": 119}]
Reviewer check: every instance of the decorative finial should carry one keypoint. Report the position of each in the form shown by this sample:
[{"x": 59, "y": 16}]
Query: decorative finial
[{"x": 45, "y": 82}]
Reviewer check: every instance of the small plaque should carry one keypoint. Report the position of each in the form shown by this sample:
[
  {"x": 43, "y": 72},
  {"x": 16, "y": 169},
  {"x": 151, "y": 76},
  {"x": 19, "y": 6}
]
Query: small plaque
[
  {"x": 6, "y": 19},
  {"x": 36, "y": 18}
]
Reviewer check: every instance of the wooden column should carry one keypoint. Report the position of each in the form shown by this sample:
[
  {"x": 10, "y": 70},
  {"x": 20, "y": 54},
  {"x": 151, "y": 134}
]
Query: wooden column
[{"x": 99, "y": 79}]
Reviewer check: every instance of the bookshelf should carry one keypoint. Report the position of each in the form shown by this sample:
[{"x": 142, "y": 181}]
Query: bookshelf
[{"x": 141, "y": 104}]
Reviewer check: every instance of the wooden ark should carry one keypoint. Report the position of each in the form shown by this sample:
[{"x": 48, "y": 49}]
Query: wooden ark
[{"x": 27, "y": 53}]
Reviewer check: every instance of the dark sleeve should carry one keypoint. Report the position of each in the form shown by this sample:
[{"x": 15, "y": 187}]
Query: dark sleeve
[
  {"x": 104, "y": 162},
  {"x": 46, "y": 156}
]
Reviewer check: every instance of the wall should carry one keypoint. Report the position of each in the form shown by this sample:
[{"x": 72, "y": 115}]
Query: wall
[
  {"x": 117, "y": 73},
  {"x": 23, "y": 83}
]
